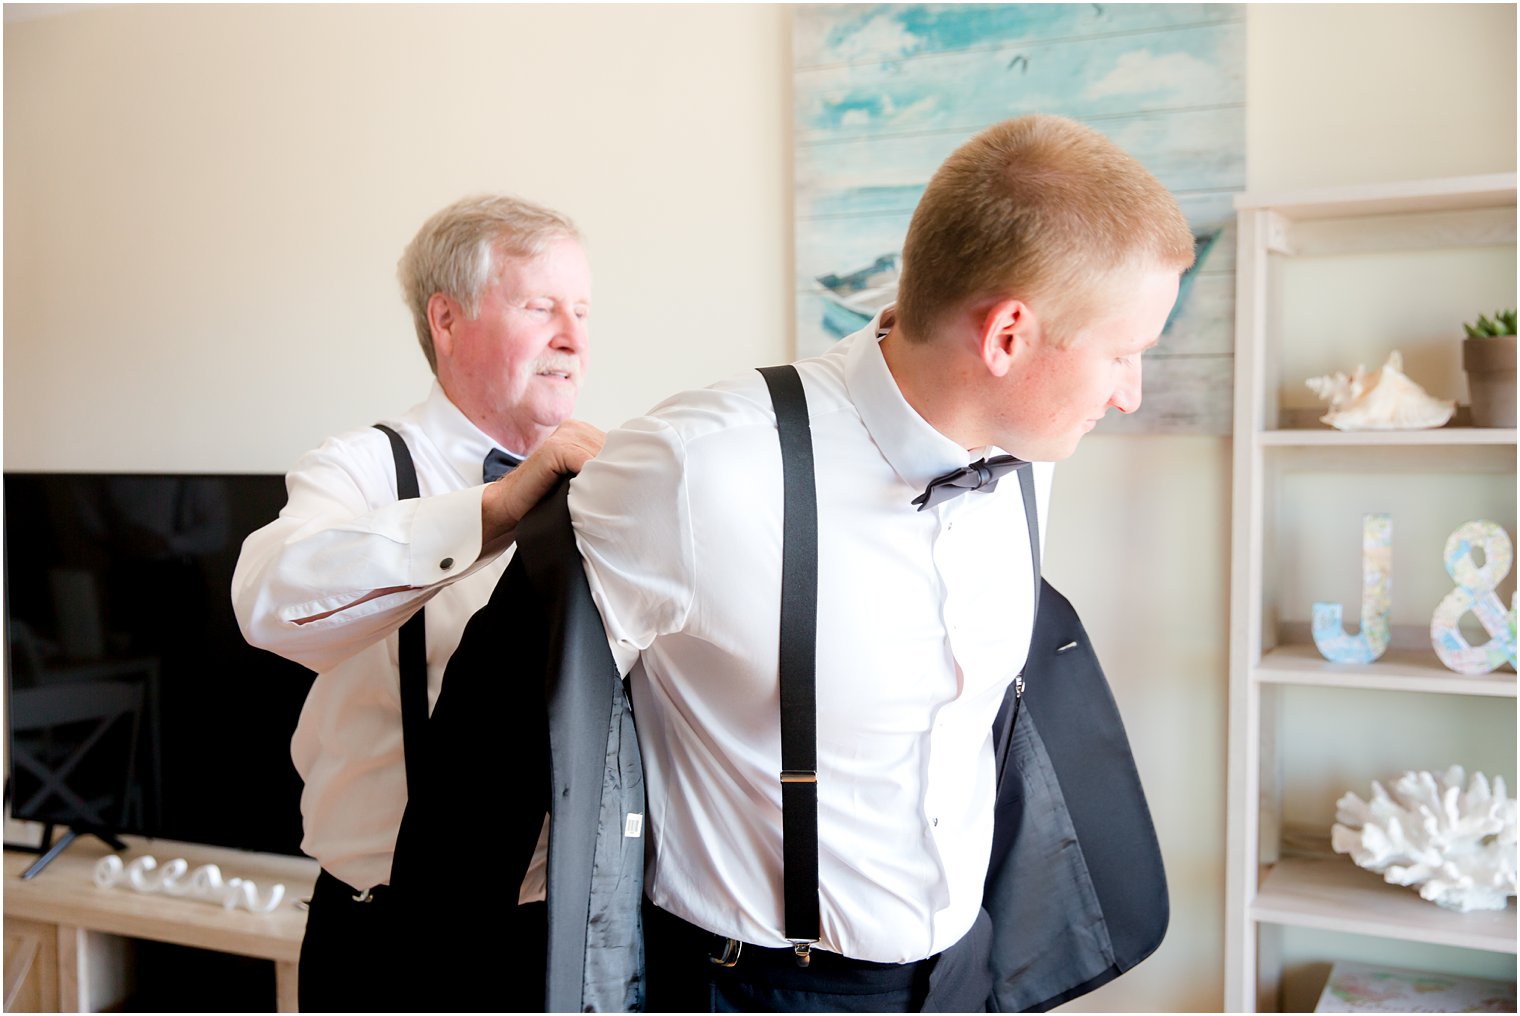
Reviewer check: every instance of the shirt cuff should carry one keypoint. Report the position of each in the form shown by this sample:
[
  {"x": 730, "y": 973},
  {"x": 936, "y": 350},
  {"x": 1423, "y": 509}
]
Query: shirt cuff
[{"x": 445, "y": 536}]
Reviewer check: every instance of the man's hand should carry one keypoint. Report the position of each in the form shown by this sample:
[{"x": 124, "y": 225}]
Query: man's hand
[{"x": 508, "y": 499}]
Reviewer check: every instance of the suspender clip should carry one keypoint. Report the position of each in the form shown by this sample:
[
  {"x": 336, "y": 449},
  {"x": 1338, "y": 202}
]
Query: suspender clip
[{"x": 804, "y": 952}]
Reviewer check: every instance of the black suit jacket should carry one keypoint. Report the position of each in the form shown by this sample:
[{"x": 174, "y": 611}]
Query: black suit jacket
[
  {"x": 533, "y": 715},
  {"x": 1076, "y": 887}
]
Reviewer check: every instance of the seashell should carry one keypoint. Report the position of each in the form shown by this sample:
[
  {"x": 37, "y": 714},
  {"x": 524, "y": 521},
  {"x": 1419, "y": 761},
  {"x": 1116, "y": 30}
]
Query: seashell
[
  {"x": 1457, "y": 846},
  {"x": 1385, "y": 400}
]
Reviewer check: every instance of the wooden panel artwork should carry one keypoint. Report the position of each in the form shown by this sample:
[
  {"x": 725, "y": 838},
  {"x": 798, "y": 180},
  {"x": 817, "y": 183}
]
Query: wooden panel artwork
[{"x": 884, "y": 93}]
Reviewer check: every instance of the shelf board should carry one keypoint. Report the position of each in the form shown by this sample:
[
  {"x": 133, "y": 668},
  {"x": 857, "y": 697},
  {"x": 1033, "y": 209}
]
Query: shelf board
[
  {"x": 1335, "y": 895},
  {"x": 1329, "y": 438},
  {"x": 1397, "y": 670},
  {"x": 1450, "y": 194}
]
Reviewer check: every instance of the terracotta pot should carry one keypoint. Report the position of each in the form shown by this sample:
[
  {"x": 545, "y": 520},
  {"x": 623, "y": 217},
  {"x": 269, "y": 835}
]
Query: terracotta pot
[{"x": 1490, "y": 366}]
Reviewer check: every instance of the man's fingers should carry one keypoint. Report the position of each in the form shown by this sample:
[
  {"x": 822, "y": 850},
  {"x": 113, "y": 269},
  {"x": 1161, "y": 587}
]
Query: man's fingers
[{"x": 572, "y": 444}]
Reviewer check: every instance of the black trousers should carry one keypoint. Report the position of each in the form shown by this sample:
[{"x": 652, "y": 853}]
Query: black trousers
[
  {"x": 351, "y": 957},
  {"x": 681, "y": 977}
]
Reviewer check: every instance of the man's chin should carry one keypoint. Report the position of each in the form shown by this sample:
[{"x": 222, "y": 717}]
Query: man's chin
[
  {"x": 552, "y": 398},
  {"x": 1054, "y": 451},
  {"x": 550, "y": 415}
]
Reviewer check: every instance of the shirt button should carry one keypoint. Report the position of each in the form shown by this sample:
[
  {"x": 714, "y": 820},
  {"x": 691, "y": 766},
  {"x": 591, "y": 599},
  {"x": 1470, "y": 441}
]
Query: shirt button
[
  {"x": 936, "y": 822},
  {"x": 446, "y": 563}
]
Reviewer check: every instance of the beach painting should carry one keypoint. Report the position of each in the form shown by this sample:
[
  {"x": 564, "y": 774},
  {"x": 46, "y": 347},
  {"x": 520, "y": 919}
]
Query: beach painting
[{"x": 884, "y": 92}]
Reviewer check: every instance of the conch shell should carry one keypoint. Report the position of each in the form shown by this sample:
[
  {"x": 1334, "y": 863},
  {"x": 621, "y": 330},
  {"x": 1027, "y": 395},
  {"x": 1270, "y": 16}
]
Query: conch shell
[{"x": 1384, "y": 400}]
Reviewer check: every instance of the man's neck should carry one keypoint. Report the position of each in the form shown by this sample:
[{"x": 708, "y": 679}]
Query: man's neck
[
  {"x": 934, "y": 382},
  {"x": 520, "y": 439},
  {"x": 509, "y": 437}
]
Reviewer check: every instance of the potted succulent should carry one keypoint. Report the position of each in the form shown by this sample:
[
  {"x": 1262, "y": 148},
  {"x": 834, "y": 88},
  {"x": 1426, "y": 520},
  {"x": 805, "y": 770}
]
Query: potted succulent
[{"x": 1488, "y": 356}]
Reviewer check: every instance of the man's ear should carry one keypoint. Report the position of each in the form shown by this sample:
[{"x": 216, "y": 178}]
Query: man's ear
[
  {"x": 1007, "y": 330},
  {"x": 443, "y": 316}
]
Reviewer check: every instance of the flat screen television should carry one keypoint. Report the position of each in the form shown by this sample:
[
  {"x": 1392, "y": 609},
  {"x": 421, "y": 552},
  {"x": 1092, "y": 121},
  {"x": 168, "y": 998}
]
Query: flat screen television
[{"x": 133, "y": 703}]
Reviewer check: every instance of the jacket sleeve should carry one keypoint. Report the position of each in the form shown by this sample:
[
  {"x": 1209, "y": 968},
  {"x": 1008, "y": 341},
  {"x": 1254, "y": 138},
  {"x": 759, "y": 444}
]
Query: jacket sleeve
[{"x": 346, "y": 563}]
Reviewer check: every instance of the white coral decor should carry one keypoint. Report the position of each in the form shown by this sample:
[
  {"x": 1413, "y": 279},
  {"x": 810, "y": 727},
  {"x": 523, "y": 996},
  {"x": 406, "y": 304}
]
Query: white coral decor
[{"x": 1457, "y": 846}]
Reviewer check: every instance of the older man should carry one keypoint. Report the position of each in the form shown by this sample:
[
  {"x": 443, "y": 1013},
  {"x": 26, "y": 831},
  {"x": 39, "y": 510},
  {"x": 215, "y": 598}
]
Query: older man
[
  {"x": 500, "y": 294},
  {"x": 1039, "y": 266}
]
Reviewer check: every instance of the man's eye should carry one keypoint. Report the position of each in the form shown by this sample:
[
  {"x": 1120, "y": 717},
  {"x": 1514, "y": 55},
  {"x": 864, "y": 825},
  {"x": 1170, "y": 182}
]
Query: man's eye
[{"x": 583, "y": 312}]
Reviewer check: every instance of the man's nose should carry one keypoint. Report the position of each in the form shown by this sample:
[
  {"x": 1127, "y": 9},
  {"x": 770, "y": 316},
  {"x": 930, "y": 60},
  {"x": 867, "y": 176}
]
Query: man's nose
[
  {"x": 572, "y": 334},
  {"x": 1126, "y": 397}
]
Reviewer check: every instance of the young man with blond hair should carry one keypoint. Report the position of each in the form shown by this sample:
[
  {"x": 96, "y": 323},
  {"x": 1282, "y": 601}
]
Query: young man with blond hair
[{"x": 1041, "y": 263}]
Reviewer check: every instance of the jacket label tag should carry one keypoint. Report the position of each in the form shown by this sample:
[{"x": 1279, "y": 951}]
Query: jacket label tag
[{"x": 633, "y": 828}]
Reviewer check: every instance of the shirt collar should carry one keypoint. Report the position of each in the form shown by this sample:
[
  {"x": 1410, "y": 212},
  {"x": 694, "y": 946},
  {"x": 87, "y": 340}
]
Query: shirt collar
[
  {"x": 462, "y": 443},
  {"x": 914, "y": 449}
]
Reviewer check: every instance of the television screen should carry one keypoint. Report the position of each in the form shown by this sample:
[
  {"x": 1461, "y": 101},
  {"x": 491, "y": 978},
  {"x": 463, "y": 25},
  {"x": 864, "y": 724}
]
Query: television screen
[{"x": 134, "y": 704}]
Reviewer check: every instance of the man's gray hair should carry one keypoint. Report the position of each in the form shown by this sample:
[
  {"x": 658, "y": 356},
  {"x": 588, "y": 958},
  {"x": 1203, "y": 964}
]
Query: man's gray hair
[{"x": 455, "y": 252}]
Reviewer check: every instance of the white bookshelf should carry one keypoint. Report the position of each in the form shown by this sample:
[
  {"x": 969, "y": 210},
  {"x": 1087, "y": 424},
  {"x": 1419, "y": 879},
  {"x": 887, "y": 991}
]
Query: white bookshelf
[{"x": 1270, "y": 889}]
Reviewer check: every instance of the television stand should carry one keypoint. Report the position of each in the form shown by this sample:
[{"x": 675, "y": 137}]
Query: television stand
[
  {"x": 72, "y": 946},
  {"x": 50, "y": 850}
]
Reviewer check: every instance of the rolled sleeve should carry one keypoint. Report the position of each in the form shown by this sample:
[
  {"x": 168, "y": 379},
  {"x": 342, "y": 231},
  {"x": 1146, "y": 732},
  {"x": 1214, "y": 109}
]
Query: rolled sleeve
[{"x": 632, "y": 526}]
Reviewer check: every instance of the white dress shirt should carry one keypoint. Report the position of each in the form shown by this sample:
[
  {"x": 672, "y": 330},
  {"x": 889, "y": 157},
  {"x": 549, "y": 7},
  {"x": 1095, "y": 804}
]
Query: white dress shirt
[
  {"x": 342, "y": 535},
  {"x": 923, "y": 620}
]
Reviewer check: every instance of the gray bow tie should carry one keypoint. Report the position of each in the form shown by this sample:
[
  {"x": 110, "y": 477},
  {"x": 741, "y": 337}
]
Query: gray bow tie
[
  {"x": 498, "y": 464},
  {"x": 982, "y": 474}
]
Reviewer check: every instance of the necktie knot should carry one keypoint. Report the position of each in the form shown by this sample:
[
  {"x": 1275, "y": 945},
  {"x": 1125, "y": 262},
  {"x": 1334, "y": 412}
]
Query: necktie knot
[
  {"x": 498, "y": 464},
  {"x": 982, "y": 474}
]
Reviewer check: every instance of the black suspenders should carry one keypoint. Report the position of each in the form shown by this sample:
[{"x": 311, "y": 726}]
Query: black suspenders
[
  {"x": 798, "y": 656},
  {"x": 799, "y": 625},
  {"x": 412, "y": 650}
]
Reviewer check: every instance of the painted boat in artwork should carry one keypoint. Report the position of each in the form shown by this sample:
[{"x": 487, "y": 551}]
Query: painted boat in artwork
[{"x": 852, "y": 300}]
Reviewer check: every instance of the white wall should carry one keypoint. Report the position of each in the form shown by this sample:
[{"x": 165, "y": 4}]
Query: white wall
[
  {"x": 1362, "y": 93},
  {"x": 200, "y": 202},
  {"x": 204, "y": 207}
]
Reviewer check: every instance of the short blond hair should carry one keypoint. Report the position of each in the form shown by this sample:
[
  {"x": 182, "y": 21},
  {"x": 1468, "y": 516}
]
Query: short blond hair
[
  {"x": 456, "y": 252},
  {"x": 1034, "y": 208}
]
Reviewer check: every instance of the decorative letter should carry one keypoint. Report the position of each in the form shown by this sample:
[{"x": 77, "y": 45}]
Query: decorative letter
[
  {"x": 137, "y": 874},
  {"x": 1475, "y": 593},
  {"x": 171, "y": 883},
  {"x": 1377, "y": 593},
  {"x": 108, "y": 871}
]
